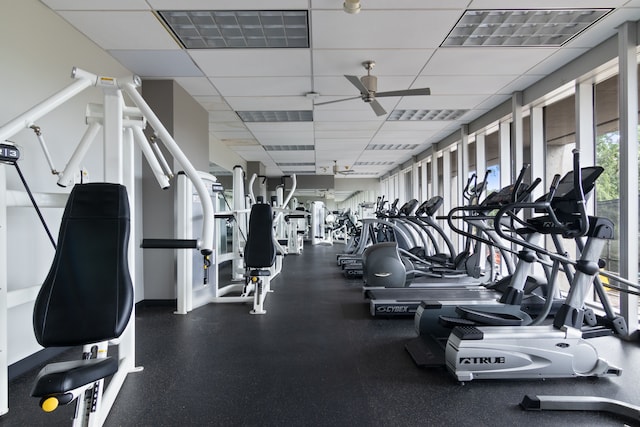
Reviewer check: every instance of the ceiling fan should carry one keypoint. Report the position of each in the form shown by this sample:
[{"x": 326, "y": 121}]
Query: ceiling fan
[
  {"x": 342, "y": 171},
  {"x": 368, "y": 86}
]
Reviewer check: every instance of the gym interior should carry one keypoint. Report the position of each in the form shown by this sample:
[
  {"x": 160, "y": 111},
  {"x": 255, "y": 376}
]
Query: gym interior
[{"x": 319, "y": 212}]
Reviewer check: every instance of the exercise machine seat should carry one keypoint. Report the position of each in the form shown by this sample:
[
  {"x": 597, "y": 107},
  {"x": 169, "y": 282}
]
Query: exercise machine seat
[
  {"x": 87, "y": 296},
  {"x": 260, "y": 251}
]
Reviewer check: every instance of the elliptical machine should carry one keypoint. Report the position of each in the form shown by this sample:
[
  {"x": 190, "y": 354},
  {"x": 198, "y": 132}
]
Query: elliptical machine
[{"x": 549, "y": 351}]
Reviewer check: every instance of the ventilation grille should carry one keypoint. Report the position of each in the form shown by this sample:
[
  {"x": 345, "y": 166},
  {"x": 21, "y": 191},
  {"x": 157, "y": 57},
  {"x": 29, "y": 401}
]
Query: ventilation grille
[
  {"x": 425, "y": 115},
  {"x": 289, "y": 147},
  {"x": 392, "y": 146},
  {"x": 521, "y": 27},
  {"x": 374, "y": 163},
  {"x": 296, "y": 164},
  {"x": 211, "y": 29},
  {"x": 276, "y": 116}
]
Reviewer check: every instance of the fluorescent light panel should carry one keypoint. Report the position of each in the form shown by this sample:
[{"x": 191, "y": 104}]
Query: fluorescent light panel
[
  {"x": 374, "y": 163},
  {"x": 296, "y": 164},
  {"x": 521, "y": 27},
  {"x": 425, "y": 115},
  {"x": 303, "y": 172},
  {"x": 288, "y": 147},
  {"x": 392, "y": 146},
  {"x": 276, "y": 116},
  {"x": 220, "y": 29}
]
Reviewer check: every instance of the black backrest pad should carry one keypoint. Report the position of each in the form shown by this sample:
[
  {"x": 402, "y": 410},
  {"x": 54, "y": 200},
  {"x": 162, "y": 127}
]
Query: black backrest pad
[
  {"x": 260, "y": 251},
  {"x": 88, "y": 295}
]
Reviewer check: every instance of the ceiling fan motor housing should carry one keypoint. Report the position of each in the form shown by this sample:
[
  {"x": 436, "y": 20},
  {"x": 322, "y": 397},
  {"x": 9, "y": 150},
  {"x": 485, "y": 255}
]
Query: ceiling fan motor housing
[{"x": 371, "y": 83}]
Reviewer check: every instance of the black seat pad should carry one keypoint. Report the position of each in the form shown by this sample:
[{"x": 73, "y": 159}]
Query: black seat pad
[{"x": 62, "y": 377}]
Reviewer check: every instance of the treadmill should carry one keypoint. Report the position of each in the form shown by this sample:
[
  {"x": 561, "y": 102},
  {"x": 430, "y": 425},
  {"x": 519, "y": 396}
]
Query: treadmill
[{"x": 443, "y": 297}]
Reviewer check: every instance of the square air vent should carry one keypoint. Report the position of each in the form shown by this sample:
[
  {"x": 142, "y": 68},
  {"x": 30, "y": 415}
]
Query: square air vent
[
  {"x": 523, "y": 27},
  {"x": 220, "y": 29}
]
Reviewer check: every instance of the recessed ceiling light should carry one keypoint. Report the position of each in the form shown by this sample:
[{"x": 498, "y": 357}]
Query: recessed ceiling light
[
  {"x": 220, "y": 29},
  {"x": 392, "y": 146},
  {"x": 288, "y": 147},
  {"x": 521, "y": 27},
  {"x": 374, "y": 163},
  {"x": 425, "y": 115},
  {"x": 296, "y": 164},
  {"x": 276, "y": 116}
]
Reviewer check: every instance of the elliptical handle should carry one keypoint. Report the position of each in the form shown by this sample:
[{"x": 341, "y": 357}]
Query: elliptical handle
[
  {"x": 553, "y": 187},
  {"x": 580, "y": 200},
  {"x": 465, "y": 191},
  {"x": 527, "y": 191},
  {"x": 518, "y": 183}
]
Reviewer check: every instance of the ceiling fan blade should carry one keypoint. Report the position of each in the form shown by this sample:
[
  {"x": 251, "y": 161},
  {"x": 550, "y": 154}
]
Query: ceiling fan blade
[
  {"x": 355, "y": 80},
  {"x": 338, "y": 100},
  {"x": 408, "y": 92},
  {"x": 377, "y": 108}
]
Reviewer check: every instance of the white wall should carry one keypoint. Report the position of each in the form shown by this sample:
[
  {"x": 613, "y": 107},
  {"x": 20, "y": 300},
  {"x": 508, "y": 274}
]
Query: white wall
[{"x": 39, "y": 50}]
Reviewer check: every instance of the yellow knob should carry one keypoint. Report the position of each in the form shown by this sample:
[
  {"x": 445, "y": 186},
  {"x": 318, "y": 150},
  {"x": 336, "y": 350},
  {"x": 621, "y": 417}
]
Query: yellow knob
[{"x": 49, "y": 404}]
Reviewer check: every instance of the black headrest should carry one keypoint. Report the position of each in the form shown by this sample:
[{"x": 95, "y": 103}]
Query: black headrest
[
  {"x": 88, "y": 295},
  {"x": 260, "y": 251}
]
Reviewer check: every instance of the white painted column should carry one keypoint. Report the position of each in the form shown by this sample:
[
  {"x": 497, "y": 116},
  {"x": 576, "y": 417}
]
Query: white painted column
[
  {"x": 628, "y": 107},
  {"x": 4, "y": 373},
  {"x": 585, "y": 130},
  {"x": 537, "y": 151},
  {"x": 517, "y": 135},
  {"x": 446, "y": 187},
  {"x": 504, "y": 136},
  {"x": 481, "y": 155}
]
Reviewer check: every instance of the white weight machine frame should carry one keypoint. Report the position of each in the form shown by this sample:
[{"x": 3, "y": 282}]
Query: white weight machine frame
[{"x": 121, "y": 126}]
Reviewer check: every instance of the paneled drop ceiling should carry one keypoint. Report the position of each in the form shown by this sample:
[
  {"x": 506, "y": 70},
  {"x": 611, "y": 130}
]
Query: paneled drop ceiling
[{"x": 404, "y": 37}]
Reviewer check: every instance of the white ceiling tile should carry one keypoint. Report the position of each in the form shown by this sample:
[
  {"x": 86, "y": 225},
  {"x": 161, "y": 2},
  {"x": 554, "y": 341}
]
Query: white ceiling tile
[
  {"x": 226, "y": 127},
  {"x": 396, "y": 4},
  {"x": 347, "y": 134},
  {"x": 519, "y": 84},
  {"x": 97, "y": 4},
  {"x": 437, "y": 102},
  {"x": 197, "y": 86},
  {"x": 292, "y": 138},
  {"x": 292, "y": 156},
  {"x": 460, "y": 61},
  {"x": 269, "y": 103},
  {"x": 263, "y": 86},
  {"x": 556, "y": 61},
  {"x": 253, "y": 62},
  {"x": 341, "y": 144},
  {"x": 389, "y": 62},
  {"x": 226, "y": 5},
  {"x": 411, "y": 126},
  {"x": 240, "y": 134},
  {"x": 463, "y": 85},
  {"x": 213, "y": 103},
  {"x": 224, "y": 116},
  {"x": 338, "y": 126},
  {"x": 158, "y": 63},
  {"x": 122, "y": 30},
  {"x": 284, "y": 127},
  {"x": 327, "y": 157},
  {"x": 325, "y": 115},
  {"x": 406, "y": 28}
]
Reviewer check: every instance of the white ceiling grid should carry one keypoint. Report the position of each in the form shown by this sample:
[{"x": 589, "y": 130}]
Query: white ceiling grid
[{"x": 403, "y": 37}]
